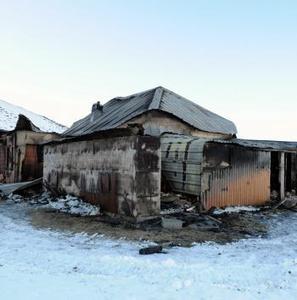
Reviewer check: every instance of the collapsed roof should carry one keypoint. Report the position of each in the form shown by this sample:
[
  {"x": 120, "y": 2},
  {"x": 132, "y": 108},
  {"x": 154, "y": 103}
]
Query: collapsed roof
[
  {"x": 120, "y": 110},
  {"x": 25, "y": 123}
]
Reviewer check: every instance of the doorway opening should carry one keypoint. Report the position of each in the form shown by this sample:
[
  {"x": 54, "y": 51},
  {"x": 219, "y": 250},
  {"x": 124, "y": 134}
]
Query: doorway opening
[{"x": 274, "y": 175}]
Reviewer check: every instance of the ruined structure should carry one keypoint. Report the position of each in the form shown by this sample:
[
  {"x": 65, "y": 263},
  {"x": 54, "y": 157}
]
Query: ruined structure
[
  {"x": 124, "y": 152},
  {"x": 116, "y": 169},
  {"x": 21, "y": 154},
  {"x": 112, "y": 156},
  {"x": 223, "y": 173}
]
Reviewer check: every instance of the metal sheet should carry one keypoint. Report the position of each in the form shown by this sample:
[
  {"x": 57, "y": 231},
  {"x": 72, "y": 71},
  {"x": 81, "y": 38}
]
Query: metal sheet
[
  {"x": 182, "y": 159},
  {"x": 31, "y": 168},
  {"x": 262, "y": 144},
  {"x": 9, "y": 188},
  {"x": 220, "y": 174},
  {"x": 246, "y": 181}
]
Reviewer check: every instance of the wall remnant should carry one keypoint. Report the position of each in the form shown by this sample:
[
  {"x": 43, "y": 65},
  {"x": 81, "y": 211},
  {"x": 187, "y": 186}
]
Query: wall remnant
[{"x": 121, "y": 174}]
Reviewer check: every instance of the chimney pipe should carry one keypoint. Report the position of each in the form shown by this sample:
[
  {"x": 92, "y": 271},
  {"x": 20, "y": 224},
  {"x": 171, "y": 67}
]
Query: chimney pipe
[{"x": 97, "y": 107}]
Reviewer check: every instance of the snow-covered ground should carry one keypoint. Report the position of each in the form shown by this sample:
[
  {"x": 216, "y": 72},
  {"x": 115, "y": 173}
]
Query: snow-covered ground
[
  {"x": 9, "y": 115},
  {"x": 44, "y": 264}
]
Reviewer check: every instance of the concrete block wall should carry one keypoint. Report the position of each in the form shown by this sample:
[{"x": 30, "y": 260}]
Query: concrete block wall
[{"x": 121, "y": 174}]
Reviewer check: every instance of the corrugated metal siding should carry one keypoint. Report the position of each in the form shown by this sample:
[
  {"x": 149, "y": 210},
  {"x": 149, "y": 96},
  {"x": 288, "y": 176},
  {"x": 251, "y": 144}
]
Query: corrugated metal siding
[
  {"x": 181, "y": 163},
  {"x": 245, "y": 182},
  {"x": 120, "y": 110},
  {"x": 220, "y": 174}
]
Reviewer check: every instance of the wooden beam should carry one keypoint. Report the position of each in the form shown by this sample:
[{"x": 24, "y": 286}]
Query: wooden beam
[{"x": 282, "y": 175}]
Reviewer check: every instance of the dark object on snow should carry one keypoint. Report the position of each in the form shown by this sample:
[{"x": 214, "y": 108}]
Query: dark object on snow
[
  {"x": 6, "y": 189},
  {"x": 151, "y": 250}
]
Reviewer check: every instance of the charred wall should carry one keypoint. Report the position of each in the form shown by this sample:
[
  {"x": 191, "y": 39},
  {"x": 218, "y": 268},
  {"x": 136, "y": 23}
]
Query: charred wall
[
  {"x": 234, "y": 175},
  {"x": 2, "y": 162},
  {"x": 121, "y": 174},
  {"x": 22, "y": 160}
]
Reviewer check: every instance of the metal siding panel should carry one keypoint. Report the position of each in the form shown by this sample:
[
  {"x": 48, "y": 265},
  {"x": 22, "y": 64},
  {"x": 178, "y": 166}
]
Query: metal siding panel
[
  {"x": 247, "y": 184},
  {"x": 181, "y": 163}
]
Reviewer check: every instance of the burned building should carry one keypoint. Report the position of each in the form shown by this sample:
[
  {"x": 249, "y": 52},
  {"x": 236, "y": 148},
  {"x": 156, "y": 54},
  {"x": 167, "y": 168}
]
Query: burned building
[
  {"x": 21, "y": 154},
  {"x": 101, "y": 161},
  {"x": 220, "y": 173},
  {"x": 127, "y": 151}
]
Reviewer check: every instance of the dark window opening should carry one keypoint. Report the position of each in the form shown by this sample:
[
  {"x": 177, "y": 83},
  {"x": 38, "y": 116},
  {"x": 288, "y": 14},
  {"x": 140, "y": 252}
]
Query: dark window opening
[{"x": 274, "y": 177}]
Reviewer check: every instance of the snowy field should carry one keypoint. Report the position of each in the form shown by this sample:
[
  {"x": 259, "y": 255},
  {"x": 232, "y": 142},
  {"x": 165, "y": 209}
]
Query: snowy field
[{"x": 45, "y": 264}]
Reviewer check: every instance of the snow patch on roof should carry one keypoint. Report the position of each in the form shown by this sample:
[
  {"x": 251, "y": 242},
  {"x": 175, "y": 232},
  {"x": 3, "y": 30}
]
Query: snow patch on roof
[{"x": 9, "y": 114}]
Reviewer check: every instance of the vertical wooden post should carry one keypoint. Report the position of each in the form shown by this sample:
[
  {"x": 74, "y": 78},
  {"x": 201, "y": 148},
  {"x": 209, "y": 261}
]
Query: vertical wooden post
[
  {"x": 294, "y": 171},
  {"x": 282, "y": 175}
]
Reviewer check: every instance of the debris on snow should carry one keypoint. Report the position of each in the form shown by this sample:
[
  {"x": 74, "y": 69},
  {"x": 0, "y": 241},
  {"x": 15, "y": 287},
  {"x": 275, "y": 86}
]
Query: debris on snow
[
  {"x": 290, "y": 200},
  {"x": 74, "y": 206},
  {"x": 235, "y": 209},
  {"x": 68, "y": 204},
  {"x": 15, "y": 198},
  {"x": 151, "y": 250},
  {"x": 172, "y": 223}
]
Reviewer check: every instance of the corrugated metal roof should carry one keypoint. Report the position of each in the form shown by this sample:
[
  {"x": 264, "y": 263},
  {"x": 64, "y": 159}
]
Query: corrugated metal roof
[
  {"x": 262, "y": 144},
  {"x": 122, "y": 109}
]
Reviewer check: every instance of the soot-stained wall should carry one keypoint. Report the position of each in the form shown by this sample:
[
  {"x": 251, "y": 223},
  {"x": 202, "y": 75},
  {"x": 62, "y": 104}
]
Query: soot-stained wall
[{"x": 121, "y": 174}]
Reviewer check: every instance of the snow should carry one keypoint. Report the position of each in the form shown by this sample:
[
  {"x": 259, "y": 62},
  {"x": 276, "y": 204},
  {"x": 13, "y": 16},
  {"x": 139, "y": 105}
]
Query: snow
[
  {"x": 235, "y": 209},
  {"x": 68, "y": 204},
  {"x": 74, "y": 206},
  {"x": 9, "y": 115},
  {"x": 38, "y": 263}
]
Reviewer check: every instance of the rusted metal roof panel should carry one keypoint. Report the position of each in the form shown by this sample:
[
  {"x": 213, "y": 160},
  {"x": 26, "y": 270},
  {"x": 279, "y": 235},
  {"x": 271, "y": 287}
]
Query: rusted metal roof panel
[{"x": 120, "y": 110}]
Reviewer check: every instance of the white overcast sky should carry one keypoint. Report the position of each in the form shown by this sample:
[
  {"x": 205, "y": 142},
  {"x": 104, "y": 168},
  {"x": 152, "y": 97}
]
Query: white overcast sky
[{"x": 236, "y": 58}]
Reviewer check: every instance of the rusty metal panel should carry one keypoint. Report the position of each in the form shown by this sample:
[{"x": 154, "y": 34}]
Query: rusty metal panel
[
  {"x": 30, "y": 167},
  {"x": 238, "y": 177}
]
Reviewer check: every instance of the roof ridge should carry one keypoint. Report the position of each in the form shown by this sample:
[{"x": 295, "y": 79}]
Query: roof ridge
[{"x": 156, "y": 101}]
